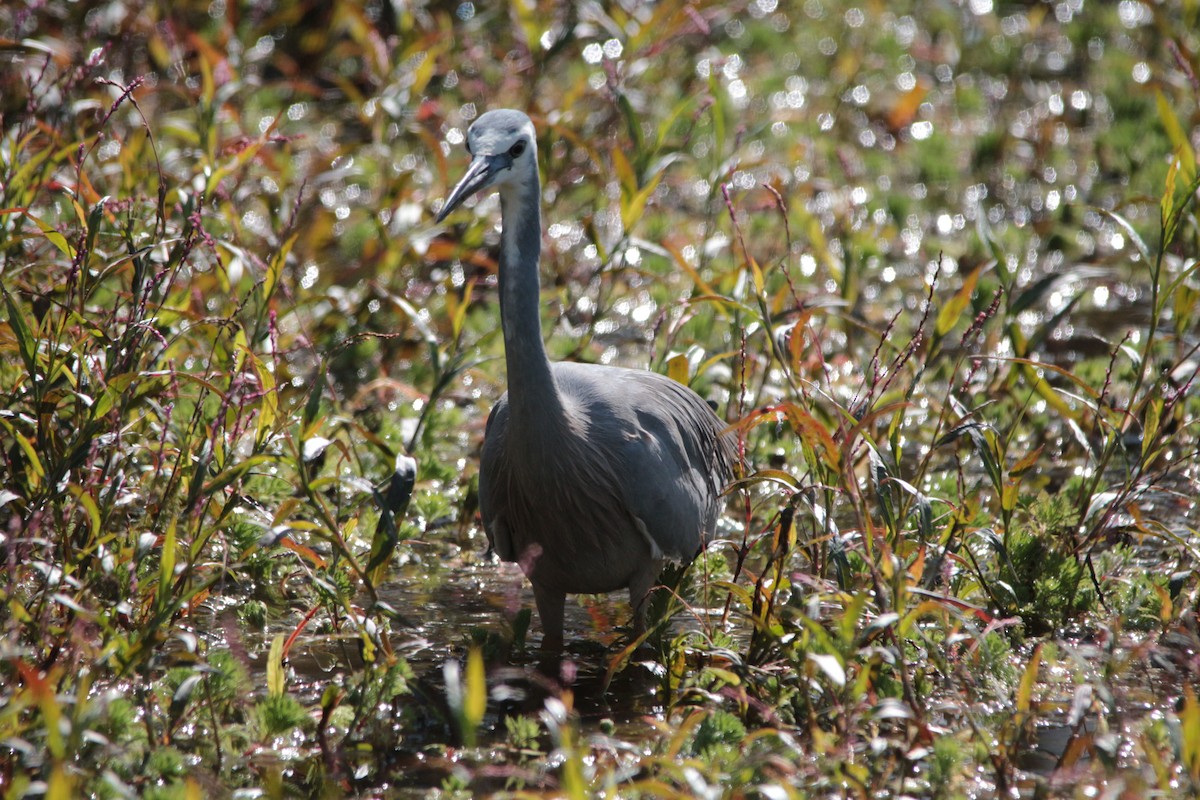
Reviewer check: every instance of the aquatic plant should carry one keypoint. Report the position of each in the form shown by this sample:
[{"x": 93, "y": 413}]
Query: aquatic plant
[{"x": 935, "y": 264}]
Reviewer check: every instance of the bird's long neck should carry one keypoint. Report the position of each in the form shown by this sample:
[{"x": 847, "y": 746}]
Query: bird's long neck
[{"x": 532, "y": 395}]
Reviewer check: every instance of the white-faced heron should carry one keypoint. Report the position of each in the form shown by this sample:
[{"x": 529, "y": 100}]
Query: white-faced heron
[{"x": 592, "y": 477}]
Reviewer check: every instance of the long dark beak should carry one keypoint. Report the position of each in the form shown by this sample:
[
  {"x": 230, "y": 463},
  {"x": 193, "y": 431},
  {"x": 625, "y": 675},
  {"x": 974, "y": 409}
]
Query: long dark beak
[{"x": 480, "y": 175}]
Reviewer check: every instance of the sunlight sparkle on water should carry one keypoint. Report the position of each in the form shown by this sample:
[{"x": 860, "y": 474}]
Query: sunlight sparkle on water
[
  {"x": 1133, "y": 14},
  {"x": 793, "y": 97},
  {"x": 738, "y": 93},
  {"x": 311, "y": 272},
  {"x": 605, "y": 327}
]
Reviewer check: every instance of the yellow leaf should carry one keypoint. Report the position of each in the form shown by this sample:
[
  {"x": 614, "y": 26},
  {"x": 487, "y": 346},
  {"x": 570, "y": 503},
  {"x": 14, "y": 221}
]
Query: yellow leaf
[
  {"x": 240, "y": 348},
  {"x": 89, "y": 505},
  {"x": 1179, "y": 139},
  {"x": 573, "y": 783},
  {"x": 1165, "y": 608},
  {"x": 624, "y": 170},
  {"x": 1028, "y": 680},
  {"x": 475, "y": 705},
  {"x": 1009, "y": 495},
  {"x": 166, "y": 564},
  {"x": 1189, "y": 719},
  {"x": 1151, "y": 425},
  {"x": 60, "y": 786},
  {"x": 756, "y": 274},
  {"x": 54, "y": 237},
  {"x": 35, "y": 471},
  {"x": 729, "y": 677},
  {"x": 681, "y": 733},
  {"x": 117, "y": 386},
  {"x": 276, "y": 681},
  {"x": 459, "y": 309},
  {"x": 268, "y": 406},
  {"x": 1046, "y": 391},
  {"x": 678, "y": 368},
  {"x": 159, "y": 52},
  {"x": 775, "y": 476},
  {"x": 1026, "y": 463},
  {"x": 276, "y": 266},
  {"x": 950, "y": 313},
  {"x": 1167, "y": 203},
  {"x": 19, "y": 612},
  {"x": 682, "y": 262},
  {"x": 796, "y": 340},
  {"x": 916, "y": 570},
  {"x": 812, "y": 431}
]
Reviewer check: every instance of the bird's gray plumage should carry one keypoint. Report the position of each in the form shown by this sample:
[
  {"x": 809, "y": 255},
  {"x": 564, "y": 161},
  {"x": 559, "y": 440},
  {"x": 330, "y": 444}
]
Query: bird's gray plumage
[{"x": 592, "y": 477}]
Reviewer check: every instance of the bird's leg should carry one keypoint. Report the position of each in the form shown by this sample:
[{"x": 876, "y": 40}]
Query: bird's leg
[
  {"x": 550, "y": 606},
  {"x": 640, "y": 588}
]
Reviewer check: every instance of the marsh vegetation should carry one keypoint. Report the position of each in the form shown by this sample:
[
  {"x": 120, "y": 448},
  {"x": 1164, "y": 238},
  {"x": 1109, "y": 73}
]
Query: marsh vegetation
[{"x": 935, "y": 263}]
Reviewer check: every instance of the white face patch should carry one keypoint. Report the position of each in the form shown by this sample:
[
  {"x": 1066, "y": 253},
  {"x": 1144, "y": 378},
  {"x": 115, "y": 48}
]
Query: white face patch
[{"x": 487, "y": 139}]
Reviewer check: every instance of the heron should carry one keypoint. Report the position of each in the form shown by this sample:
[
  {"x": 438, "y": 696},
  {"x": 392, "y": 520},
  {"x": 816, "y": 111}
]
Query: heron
[{"x": 592, "y": 477}]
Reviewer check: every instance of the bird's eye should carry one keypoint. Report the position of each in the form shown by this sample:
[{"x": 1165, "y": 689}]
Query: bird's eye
[{"x": 516, "y": 150}]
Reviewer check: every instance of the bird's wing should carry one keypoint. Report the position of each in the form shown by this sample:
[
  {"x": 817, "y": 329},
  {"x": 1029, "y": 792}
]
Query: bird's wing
[
  {"x": 670, "y": 458},
  {"x": 492, "y": 500}
]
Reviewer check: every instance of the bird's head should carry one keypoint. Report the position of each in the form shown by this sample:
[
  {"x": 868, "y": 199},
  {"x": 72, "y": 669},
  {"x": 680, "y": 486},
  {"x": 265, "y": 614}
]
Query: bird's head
[{"x": 503, "y": 149}]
